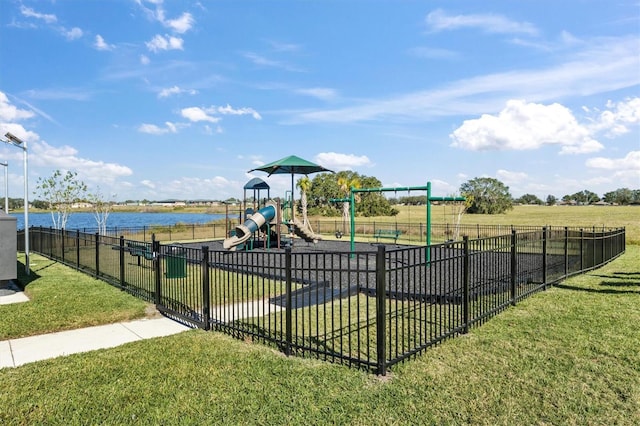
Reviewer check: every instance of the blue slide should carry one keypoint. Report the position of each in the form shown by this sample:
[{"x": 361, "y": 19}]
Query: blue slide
[{"x": 251, "y": 225}]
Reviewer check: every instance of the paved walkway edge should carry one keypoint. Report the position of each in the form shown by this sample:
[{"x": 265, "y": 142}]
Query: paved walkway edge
[{"x": 16, "y": 352}]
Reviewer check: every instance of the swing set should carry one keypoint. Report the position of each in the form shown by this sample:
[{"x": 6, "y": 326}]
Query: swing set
[{"x": 430, "y": 198}]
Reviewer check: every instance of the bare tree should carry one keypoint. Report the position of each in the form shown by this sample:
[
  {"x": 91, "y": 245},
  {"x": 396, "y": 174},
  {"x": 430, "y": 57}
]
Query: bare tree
[
  {"x": 60, "y": 191},
  {"x": 101, "y": 209}
]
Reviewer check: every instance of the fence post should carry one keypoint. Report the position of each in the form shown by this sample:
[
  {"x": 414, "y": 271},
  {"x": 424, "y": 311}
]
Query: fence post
[
  {"x": 97, "y": 254},
  {"x": 593, "y": 246},
  {"x": 78, "y": 249},
  {"x": 121, "y": 253},
  {"x": 155, "y": 247},
  {"x": 64, "y": 233},
  {"x": 581, "y": 249},
  {"x": 602, "y": 238},
  {"x": 206, "y": 289},
  {"x": 544, "y": 258},
  {"x": 381, "y": 313},
  {"x": 466, "y": 276},
  {"x": 566, "y": 251},
  {"x": 288, "y": 322},
  {"x": 514, "y": 268}
]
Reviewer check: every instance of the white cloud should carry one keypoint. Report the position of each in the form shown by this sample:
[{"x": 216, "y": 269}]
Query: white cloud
[
  {"x": 511, "y": 177},
  {"x": 164, "y": 43},
  {"x": 9, "y": 112},
  {"x": 525, "y": 126},
  {"x": 229, "y": 110},
  {"x": 144, "y": 60},
  {"x": 586, "y": 147},
  {"x": 625, "y": 171},
  {"x": 209, "y": 131},
  {"x": 73, "y": 33},
  {"x": 148, "y": 184},
  {"x": 564, "y": 41},
  {"x": 66, "y": 158},
  {"x": 438, "y": 20},
  {"x": 209, "y": 114},
  {"x": 30, "y": 13},
  {"x": 190, "y": 187},
  {"x": 152, "y": 129},
  {"x": 100, "y": 44},
  {"x": 266, "y": 62},
  {"x": 165, "y": 93},
  {"x": 630, "y": 162},
  {"x": 179, "y": 25},
  {"x": 337, "y": 161},
  {"x": 618, "y": 117},
  {"x": 198, "y": 114},
  {"x": 175, "y": 90},
  {"x": 323, "y": 93},
  {"x": 182, "y": 24}
]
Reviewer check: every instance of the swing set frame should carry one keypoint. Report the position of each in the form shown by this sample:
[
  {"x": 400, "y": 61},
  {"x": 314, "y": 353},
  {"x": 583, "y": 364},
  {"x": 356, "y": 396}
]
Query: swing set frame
[{"x": 430, "y": 198}]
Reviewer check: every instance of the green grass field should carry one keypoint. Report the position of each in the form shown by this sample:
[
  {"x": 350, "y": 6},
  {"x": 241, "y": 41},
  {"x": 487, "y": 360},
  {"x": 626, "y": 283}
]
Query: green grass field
[
  {"x": 574, "y": 216},
  {"x": 568, "y": 355}
]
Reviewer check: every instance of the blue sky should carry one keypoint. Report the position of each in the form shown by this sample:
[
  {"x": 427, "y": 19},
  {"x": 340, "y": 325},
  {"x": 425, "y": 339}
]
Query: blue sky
[{"x": 179, "y": 99}]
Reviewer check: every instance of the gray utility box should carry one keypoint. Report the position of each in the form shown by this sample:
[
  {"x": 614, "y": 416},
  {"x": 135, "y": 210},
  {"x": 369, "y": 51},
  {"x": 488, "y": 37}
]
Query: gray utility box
[{"x": 8, "y": 247}]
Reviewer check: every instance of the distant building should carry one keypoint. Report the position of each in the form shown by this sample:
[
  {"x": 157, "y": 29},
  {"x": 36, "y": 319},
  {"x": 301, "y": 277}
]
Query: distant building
[{"x": 81, "y": 205}]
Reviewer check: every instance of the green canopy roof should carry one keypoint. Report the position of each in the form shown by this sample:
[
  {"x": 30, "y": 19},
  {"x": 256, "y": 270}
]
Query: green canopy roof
[{"x": 291, "y": 165}]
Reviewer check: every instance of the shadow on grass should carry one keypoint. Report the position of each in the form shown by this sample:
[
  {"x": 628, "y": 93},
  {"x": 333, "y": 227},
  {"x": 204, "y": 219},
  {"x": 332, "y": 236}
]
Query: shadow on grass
[
  {"x": 632, "y": 283},
  {"x": 23, "y": 279},
  {"x": 595, "y": 290},
  {"x": 617, "y": 275},
  {"x": 628, "y": 274}
]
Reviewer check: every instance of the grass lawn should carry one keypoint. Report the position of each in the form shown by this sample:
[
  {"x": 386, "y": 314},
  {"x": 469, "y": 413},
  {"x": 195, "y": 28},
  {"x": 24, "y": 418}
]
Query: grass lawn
[
  {"x": 568, "y": 355},
  {"x": 63, "y": 299},
  {"x": 578, "y": 216}
]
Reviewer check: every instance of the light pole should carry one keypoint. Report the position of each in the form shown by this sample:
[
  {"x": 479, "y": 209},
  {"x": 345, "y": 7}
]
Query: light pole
[
  {"x": 16, "y": 141},
  {"x": 6, "y": 186}
]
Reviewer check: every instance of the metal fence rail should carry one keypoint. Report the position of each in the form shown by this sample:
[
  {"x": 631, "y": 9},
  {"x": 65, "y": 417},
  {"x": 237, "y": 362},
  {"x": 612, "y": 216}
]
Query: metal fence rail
[
  {"x": 411, "y": 232},
  {"x": 370, "y": 309}
]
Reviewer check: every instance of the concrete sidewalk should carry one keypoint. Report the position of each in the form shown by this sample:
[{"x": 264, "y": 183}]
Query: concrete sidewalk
[{"x": 15, "y": 352}]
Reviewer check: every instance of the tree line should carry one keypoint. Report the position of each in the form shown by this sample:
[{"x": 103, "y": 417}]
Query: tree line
[
  {"x": 484, "y": 195},
  {"x": 621, "y": 196}
]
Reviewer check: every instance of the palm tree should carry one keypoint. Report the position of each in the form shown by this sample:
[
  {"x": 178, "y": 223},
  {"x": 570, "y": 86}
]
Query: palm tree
[
  {"x": 345, "y": 183},
  {"x": 304, "y": 184}
]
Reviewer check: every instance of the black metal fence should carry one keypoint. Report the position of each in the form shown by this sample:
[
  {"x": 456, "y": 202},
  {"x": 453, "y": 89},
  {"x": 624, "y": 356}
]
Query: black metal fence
[
  {"x": 370, "y": 308},
  {"x": 414, "y": 232}
]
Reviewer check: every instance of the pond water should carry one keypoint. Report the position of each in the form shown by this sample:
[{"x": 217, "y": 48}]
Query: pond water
[{"x": 82, "y": 220}]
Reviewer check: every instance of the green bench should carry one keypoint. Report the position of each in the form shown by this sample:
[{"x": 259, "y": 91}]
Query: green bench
[
  {"x": 391, "y": 234},
  {"x": 140, "y": 250}
]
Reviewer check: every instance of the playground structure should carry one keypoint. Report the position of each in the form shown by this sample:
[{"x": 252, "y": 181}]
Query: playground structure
[
  {"x": 272, "y": 215},
  {"x": 266, "y": 221}
]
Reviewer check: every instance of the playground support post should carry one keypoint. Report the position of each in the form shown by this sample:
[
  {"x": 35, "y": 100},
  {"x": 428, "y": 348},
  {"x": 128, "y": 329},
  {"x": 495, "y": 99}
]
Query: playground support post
[{"x": 352, "y": 205}]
